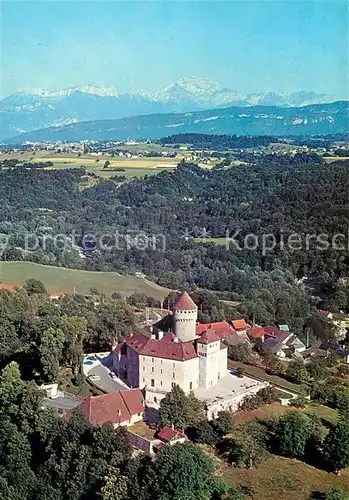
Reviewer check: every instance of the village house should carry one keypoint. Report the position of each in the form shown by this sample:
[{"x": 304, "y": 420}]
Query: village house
[{"x": 118, "y": 408}]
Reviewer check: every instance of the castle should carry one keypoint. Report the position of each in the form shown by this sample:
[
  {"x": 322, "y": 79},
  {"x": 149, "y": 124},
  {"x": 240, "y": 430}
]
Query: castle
[{"x": 188, "y": 354}]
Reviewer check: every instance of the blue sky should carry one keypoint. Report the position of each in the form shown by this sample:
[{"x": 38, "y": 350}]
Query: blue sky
[{"x": 249, "y": 46}]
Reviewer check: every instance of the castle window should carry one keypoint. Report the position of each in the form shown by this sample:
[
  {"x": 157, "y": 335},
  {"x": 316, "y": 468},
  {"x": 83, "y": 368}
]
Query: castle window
[
  {"x": 152, "y": 360},
  {"x": 161, "y": 382},
  {"x": 173, "y": 375},
  {"x": 190, "y": 386},
  {"x": 173, "y": 384},
  {"x": 173, "y": 365},
  {"x": 155, "y": 399},
  {"x": 152, "y": 382},
  {"x": 161, "y": 371},
  {"x": 152, "y": 368},
  {"x": 143, "y": 368}
]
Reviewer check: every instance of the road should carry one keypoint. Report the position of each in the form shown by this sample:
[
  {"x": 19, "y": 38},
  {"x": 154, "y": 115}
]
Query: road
[
  {"x": 64, "y": 403},
  {"x": 106, "y": 383}
]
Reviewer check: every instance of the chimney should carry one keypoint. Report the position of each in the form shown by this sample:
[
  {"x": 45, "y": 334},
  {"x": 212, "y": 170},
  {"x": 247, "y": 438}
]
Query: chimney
[
  {"x": 153, "y": 336},
  {"x": 160, "y": 334},
  {"x": 176, "y": 339}
]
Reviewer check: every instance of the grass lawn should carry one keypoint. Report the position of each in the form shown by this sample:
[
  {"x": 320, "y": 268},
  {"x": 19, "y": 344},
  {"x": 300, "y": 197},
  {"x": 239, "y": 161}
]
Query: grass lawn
[
  {"x": 64, "y": 280},
  {"x": 275, "y": 409},
  {"x": 258, "y": 372},
  {"x": 285, "y": 479},
  {"x": 216, "y": 241}
]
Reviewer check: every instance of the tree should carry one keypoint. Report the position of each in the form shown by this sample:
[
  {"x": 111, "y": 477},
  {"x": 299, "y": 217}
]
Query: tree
[
  {"x": 115, "y": 487},
  {"x": 240, "y": 352},
  {"x": 183, "y": 471},
  {"x": 317, "y": 370},
  {"x": 179, "y": 410},
  {"x": 11, "y": 386},
  {"x": 336, "y": 494},
  {"x": 343, "y": 370},
  {"x": 297, "y": 372},
  {"x": 337, "y": 446},
  {"x": 274, "y": 366},
  {"x": 51, "y": 347},
  {"x": 292, "y": 433},
  {"x": 246, "y": 447},
  {"x": 224, "y": 423},
  {"x": 34, "y": 286},
  {"x": 204, "y": 432}
]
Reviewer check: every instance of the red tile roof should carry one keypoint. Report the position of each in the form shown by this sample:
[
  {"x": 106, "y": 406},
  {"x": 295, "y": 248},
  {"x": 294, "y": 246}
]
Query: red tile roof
[
  {"x": 208, "y": 337},
  {"x": 167, "y": 434},
  {"x": 256, "y": 332},
  {"x": 115, "y": 407},
  {"x": 222, "y": 328},
  {"x": 271, "y": 330},
  {"x": 57, "y": 294},
  {"x": 240, "y": 324},
  {"x": 134, "y": 400},
  {"x": 185, "y": 303},
  {"x": 9, "y": 288},
  {"x": 165, "y": 348}
]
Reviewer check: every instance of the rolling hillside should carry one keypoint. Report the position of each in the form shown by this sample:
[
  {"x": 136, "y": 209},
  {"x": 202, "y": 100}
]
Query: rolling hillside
[
  {"x": 64, "y": 280},
  {"x": 314, "y": 119}
]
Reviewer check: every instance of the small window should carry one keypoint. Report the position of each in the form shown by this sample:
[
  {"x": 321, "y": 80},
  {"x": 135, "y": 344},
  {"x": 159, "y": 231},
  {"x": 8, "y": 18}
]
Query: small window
[
  {"x": 143, "y": 358},
  {"x": 155, "y": 399},
  {"x": 190, "y": 386},
  {"x": 143, "y": 379},
  {"x": 173, "y": 384},
  {"x": 152, "y": 369},
  {"x": 143, "y": 368},
  {"x": 152, "y": 360},
  {"x": 152, "y": 382},
  {"x": 173, "y": 365},
  {"x": 161, "y": 370},
  {"x": 161, "y": 361},
  {"x": 161, "y": 382},
  {"x": 173, "y": 375}
]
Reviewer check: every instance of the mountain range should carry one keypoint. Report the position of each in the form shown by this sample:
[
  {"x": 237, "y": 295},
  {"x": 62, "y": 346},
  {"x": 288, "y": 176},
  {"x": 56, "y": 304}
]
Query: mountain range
[
  {"x": 36, "y": 108},
  {"x": 315, "y": 119}
]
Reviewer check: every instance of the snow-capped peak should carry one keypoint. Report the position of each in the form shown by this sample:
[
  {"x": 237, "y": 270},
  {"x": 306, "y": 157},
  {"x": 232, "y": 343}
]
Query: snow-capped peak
[{"x": 86, "y": 89}]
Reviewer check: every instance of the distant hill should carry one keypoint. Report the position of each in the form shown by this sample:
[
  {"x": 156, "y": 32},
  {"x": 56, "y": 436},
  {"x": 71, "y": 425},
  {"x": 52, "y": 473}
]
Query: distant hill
[
  {"x": 316, "y": 119},
  {"x": 37, "y": 108}
]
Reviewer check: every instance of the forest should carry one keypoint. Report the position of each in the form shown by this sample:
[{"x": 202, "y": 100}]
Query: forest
[{"x": 191, "y": 210}]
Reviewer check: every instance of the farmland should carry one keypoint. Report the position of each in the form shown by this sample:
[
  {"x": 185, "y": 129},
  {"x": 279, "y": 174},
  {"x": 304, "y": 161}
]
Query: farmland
[
  {"x": 131, "y": 167},
  {"x": 64, "y": 280}
]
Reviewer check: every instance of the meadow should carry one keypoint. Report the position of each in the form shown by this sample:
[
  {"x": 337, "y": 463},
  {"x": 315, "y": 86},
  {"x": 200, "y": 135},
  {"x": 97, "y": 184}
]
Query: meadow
[
  {"x": 133, "y": 167},
  {"x": 61, "y": 279}
]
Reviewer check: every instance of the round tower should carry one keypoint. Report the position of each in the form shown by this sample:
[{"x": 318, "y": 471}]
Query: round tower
[{"x": 185, "y": 316}]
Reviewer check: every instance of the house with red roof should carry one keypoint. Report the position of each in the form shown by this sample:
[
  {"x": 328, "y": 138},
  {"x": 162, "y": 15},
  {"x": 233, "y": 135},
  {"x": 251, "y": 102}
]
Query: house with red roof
[
  {"x": 240, "y": 325},
  {"x": 7, "y": 287},
  {"x": 256, "y": 333},
  {"x": 118, "y": 408}
]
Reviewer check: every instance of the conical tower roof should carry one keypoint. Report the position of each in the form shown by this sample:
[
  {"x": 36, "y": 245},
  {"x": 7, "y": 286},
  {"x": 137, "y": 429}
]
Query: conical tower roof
[{"x": 185, "y": 303}]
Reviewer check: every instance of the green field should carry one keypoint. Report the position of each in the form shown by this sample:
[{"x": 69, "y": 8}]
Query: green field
[
  {"x": 134, "y": 167},
  {"x": 285, "y": 479},
  {"x": 64, "y": 280},
  {"x": 215, "y": 241}
]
